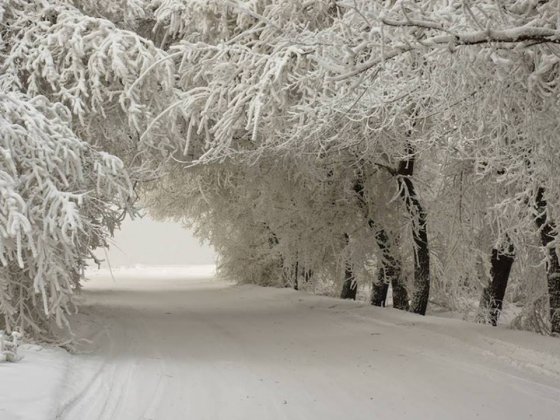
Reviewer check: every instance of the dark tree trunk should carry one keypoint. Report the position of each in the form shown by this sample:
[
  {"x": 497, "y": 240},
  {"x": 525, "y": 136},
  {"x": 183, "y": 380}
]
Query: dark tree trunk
[
  {"x": 400, "y": 294},
  {"x": 307, "y": 276},
  {"x": 379, "y": 289},
  {"x": 301, "y": 273},
  {"x": 390, "y": 269},
  {"x": 389, "y": 272},
  {"x": 296, "y": 273},
  {"x": 287, "y": 279},
  {"x": 493, "y": 295},
  {"x": 421, "y": 291},
  {"x": 548, "y": 234},
  {"x": 553, "y": 280},
  {"x": 350, "y": 286}
]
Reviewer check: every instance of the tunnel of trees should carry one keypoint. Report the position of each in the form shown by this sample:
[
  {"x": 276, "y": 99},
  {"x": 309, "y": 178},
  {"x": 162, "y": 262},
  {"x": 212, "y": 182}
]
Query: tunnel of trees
[{"x": 353, "y": 148}]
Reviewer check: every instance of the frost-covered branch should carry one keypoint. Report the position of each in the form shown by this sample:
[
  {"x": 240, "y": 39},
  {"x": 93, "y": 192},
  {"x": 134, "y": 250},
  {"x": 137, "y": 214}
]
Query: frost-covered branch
[{"x": 59, "y": 200}]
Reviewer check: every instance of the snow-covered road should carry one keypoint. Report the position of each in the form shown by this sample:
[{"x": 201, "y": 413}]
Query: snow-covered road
[{"x": 175, "y": 348}]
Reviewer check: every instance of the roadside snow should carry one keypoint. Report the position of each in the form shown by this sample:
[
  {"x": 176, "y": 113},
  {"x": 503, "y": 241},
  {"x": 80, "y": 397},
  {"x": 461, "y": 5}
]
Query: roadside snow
[
  {"x": 179, "y": 345},
  {"x": 29, "y": 388}
]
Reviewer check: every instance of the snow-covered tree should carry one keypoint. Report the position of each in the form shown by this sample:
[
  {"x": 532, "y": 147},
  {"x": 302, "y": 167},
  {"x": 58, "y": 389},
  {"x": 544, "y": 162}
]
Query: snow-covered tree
[
  {"x": 400, "y": 82},
  {"x": 76, "y": 90},
  {"x": 60, "y": 199},
  {"x": 113, "y": 80},
  {"x": 495, "y": 95},
  {"x": 306, "y": 140}
]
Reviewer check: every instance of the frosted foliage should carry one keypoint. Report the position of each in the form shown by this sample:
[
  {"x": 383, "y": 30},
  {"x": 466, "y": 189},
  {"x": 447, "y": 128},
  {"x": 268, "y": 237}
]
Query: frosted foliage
[
  {"x": 467, "y": 91},
  {"x": 74, "y": 89},
  {"x": 315, "y": 142},
  {"x": 254, "y": 21},
  {"x": 98, "y": 71},
  {"x": 299, "y": 85},
  {"x": 124, "y": 12},
  {"x": 296, "y": 220},
  {"x": 499, "y": 132},
  {"x": 58, "y": 200}
]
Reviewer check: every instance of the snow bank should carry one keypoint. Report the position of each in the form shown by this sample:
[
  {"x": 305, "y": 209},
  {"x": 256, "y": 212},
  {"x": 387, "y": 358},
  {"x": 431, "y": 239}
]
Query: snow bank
[{"x": 29, "y": 389}]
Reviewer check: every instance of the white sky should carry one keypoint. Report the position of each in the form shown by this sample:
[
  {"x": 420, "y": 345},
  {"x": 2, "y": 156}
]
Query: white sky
[{"x": 147, "y": 242}]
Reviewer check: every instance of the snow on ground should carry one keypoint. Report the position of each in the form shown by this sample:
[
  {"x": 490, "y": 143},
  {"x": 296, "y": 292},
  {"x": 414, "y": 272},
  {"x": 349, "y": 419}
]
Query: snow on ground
[
  {"x": 173, "y": 345},
  {"x": 28, "y": 388}
]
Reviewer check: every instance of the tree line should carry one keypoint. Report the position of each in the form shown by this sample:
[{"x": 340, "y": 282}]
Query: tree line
[{"x": 340, "y": 147}]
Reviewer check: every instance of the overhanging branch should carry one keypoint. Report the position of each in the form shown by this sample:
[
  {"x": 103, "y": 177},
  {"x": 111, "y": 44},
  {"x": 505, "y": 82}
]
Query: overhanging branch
[{"x": 520, "y": 34}]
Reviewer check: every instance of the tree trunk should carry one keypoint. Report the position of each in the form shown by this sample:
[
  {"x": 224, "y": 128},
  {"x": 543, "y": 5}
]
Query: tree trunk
[
  {"x": 301, "y": 273},
  {"x": 286, "y": 278},
  {"x": 307, "y": 276},
  {"x": 493, "y": 295},
  {"x": 390, "y": 268},
  {"x": 553, "y": 280},
  {"x": 548, "y": 235},
  {"x": 379, "y": 289},
  {"x": 350, "y": 286},
  {"x": 389, "y": 272},
  {"x": 296, "y": 273},
  {"x": 421, "y": 290}
]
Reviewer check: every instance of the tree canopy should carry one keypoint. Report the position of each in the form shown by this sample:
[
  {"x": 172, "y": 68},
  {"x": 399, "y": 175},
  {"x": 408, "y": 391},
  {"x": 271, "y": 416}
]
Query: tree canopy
[{"x": 315, "y": 144}]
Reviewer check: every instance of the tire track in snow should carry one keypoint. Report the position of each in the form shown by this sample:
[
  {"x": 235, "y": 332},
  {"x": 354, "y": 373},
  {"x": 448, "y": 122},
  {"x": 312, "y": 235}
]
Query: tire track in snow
[
  {"x": 189, "y": 349},
  {"x": 97, "y": 398}
]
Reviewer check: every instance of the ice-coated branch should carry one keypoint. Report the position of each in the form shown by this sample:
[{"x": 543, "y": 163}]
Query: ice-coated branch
[{"x": 488, "y": 36}]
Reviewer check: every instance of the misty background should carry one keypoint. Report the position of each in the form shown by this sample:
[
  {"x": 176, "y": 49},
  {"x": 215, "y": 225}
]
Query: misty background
[{"x": 144, "y": 241}]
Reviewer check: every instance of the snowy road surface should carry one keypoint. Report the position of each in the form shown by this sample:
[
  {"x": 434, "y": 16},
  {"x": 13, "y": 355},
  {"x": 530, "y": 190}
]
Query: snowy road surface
[{"x": 175, "y": 348}]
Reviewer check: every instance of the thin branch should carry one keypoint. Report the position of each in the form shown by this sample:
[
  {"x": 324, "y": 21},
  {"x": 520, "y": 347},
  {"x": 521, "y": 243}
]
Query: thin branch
[{"x": 488, "y": 36}]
